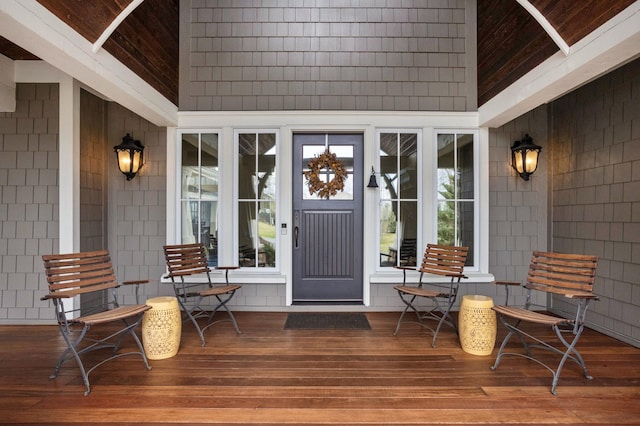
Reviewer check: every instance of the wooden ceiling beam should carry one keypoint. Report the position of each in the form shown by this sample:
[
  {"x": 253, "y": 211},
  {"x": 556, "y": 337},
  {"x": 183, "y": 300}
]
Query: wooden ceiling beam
[
  {"x": 605, "y": 49},
  {"x": 115, "y": 24},
  {"x": 546, "y": 25}
]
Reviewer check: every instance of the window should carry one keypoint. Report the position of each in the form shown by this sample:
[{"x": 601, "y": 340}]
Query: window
[
  {"x": 199, "y": 191},
  {"x": 343, "y": 153},
  {"x": 456, "y": 190},
  {"x": 399, "y": 189},
  {"x": 256, "y": 197},
  {"x": 450, "y": 171}
]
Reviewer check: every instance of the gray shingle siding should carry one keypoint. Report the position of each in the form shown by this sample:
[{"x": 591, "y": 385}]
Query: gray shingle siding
[{"x": 347, "y": 55}]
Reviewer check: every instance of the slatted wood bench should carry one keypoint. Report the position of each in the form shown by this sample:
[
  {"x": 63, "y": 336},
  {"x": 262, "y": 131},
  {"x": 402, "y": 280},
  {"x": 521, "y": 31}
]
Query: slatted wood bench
[
  {"x": 445, "y": 263},
  {"x": 90, "y": 275},
  {"x": 571, "y": 276},
  {"x": 184, "y": 262}
]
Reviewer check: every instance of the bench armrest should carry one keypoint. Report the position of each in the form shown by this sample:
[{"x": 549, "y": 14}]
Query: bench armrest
[
  {"x": 135, "y": 282},
  {"x": 581, "y": 296},
  {"x": 518, "y": 283},
  {"x": 56, "y": 296}
]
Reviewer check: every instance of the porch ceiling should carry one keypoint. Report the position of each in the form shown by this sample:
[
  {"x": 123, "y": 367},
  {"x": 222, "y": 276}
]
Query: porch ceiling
[{"x": 514, "y": 37}]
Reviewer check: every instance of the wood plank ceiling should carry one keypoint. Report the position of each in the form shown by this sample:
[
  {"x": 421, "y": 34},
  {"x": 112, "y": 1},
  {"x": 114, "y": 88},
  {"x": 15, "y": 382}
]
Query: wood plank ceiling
[
  {"x": 146, "y": 41},
  {"x": 510, "y": 41}
]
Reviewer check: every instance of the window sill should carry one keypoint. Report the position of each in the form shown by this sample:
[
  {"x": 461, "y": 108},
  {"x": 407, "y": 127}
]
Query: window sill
[
  {"x": 235, "y": 277},
  {"x": 394, "y": 277}
]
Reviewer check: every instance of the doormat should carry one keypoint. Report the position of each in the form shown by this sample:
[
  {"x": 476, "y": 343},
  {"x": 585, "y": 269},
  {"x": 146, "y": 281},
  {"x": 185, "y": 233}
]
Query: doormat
[{"x": 326, "y": 321}]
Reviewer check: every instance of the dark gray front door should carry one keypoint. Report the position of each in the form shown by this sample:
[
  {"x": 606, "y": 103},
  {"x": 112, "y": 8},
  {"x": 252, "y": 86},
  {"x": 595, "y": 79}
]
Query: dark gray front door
[{"x": 327, "y": 233}]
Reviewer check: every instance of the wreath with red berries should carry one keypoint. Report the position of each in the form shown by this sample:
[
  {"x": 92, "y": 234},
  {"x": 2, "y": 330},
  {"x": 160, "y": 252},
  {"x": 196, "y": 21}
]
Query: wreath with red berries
[{"x": 326, "y": 160}]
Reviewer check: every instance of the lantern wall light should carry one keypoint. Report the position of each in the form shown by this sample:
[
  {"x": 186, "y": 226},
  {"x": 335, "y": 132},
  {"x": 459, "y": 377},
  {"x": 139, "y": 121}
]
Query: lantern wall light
[
  {"x": 524, "y": 156},
  {"x": 372, "y": 180},
  {"x": 130, "y": 156}
]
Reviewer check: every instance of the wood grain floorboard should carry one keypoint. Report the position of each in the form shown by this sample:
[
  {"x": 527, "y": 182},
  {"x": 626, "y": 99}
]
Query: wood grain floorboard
[{"x": 271, "y": 376}]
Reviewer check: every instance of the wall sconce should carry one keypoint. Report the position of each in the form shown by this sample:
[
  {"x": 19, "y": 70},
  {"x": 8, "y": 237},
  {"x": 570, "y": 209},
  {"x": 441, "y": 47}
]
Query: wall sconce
[
  {"x": 372, "y": 180},
  {"x": 524, "y": 156},
  {"x": 130, "y": 155}
]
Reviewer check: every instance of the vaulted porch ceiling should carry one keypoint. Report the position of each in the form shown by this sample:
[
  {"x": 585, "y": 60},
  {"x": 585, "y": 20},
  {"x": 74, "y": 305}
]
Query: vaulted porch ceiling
[{"x": 529, "y": 51}]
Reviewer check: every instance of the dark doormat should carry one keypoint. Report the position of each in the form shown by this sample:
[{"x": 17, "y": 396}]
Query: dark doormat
[{"x": 326, "y": 321}]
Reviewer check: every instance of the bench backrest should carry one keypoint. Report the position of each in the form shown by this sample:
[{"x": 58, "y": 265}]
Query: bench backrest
[
  {"x": 562, "y": 273},
  {"x": 444, "y": 260},
  {"x": 78, "y": 273},
  {"x": 185, "y": 259}
]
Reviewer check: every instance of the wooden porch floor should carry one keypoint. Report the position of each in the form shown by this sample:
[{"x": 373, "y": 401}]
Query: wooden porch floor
[{"x": 269, "y": 375}]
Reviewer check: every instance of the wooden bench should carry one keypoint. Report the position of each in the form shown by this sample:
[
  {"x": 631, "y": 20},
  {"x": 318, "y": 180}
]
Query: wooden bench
[
  {"x": 443, "y": 262},
  {"x": 90, "y": 275},
  {"x": 185, "y": 261},
  {"x": 557, "y": 274}
]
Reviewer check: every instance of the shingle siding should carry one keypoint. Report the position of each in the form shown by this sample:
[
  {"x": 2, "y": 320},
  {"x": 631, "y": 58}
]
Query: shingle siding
[
  {"x": 28, "y": 200},
  {"x": 596, "y": 187},
  {"x": 347, "y": 55},
  {"x": 517, "y": 209}
]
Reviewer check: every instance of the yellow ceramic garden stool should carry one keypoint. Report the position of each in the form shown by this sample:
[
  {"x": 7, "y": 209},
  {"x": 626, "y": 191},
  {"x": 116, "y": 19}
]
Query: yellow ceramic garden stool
[
  {"x": 477, "y": 325},
  {"x": 161, "y": 328}
]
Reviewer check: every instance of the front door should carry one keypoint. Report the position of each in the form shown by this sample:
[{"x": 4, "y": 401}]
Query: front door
[{"x": 327, "y": 232}]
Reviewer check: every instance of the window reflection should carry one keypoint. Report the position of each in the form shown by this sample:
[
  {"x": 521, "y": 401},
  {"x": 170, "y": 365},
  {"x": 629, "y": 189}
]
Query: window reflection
[
  {"x": 199, "y": 191},
  {"x": 456, "y": 190},
  {"x": 256, "y": 199},
  {"x": 398, "y": 188}
]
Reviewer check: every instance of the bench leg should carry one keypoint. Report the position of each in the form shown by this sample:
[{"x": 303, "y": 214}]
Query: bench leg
[
  {"x": 183, "y": 301},
  {"x": 436, "y": 313},
  {"x": 409, "y": 305},
  {"x": 195, "y": 311},
  {"x": 222, "y": 303},
  {"x": 72, "y": 352},
  {"x": 569, "y": 353}
]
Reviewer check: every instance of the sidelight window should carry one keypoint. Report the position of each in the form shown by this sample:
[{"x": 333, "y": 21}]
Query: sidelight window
[
  {"x": 399, "y": 195},
  {"x": 256, "y": 197},
  {"x": 199, "y": 181},
  {"x": 456, "y": 198}
]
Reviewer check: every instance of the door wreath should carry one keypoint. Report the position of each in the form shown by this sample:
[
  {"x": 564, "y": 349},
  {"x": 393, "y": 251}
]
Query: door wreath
[{"x": 326, "y": 160}]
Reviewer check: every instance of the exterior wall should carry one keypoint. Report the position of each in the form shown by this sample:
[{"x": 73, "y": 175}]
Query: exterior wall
[
  {"x": 93, "y": 183},
  {"x": 28, "y": 201},
  {"x": 93, "y": 177},
  {"x": 518, "y": 219},
  {"x": 352, "y": 55},
  {"x": 137, "y": 208},
  {"x": 595, "y": 132}
]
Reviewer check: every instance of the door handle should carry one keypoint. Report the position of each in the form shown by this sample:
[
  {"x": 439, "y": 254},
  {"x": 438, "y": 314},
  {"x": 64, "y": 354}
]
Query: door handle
[{"x": 296, "y": 228}]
